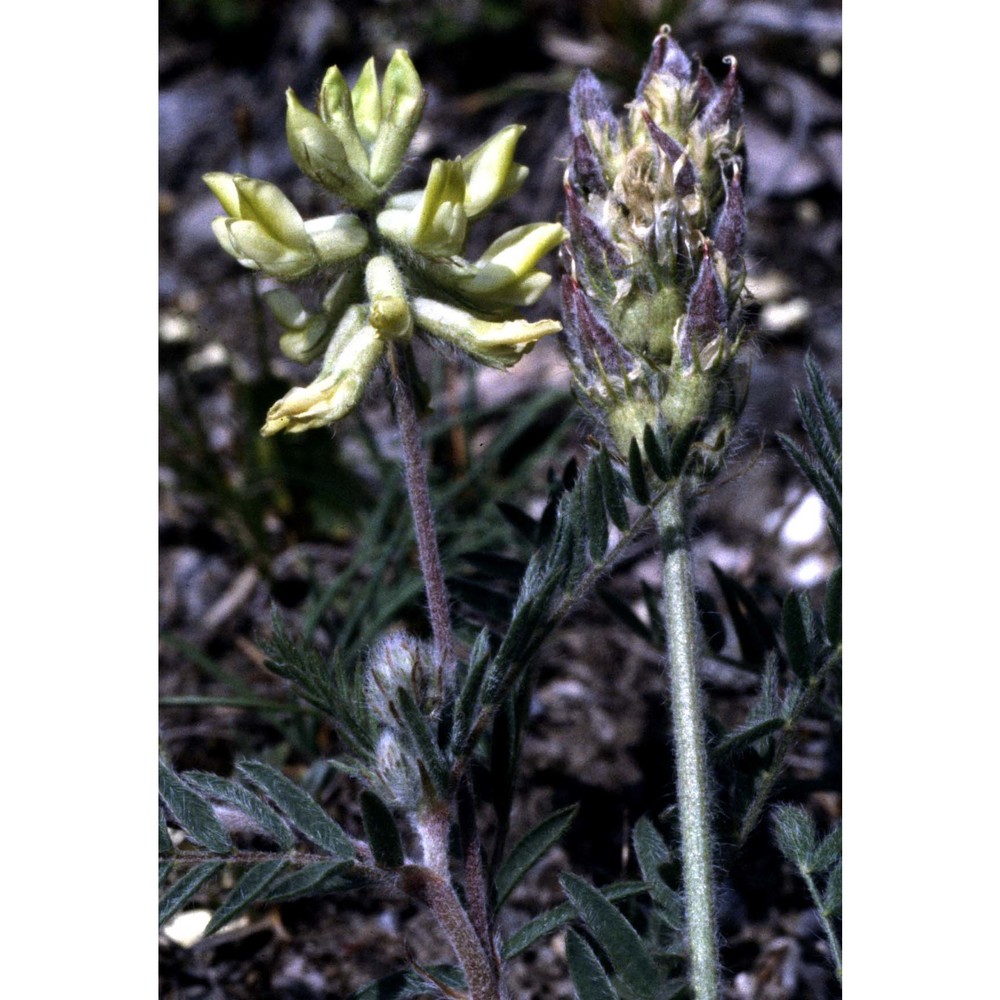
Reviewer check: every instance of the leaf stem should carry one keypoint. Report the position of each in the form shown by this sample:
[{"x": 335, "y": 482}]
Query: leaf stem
[
  {"x": 415, "y": 471},
  {"x": 680, "y": 617}
]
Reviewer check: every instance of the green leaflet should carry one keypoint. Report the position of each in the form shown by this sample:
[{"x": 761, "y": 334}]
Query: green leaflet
[
  {"x": 617, "y": 936},
  {"x": 529, "y": 850},
  {"x": 262, "y": 815},
  {"x": 797, "y": 628},
  {"x": 546, "y": 923},
  {"x": 247, "y": 890},
  {"x": 184, "y": 888},
  {"x": 304, "y": 812},
  {"x": 590, "y": 981},
  {"x": 381, "y": 831},
  {"x": 192, "y": 812}
]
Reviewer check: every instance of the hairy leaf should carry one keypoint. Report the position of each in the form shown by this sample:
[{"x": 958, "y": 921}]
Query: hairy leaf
[
  {"x": 680, "y": 447},
  {"x": 166, "y": 845},
  {"x": 653, "y": 855},
  {"x": 828, "y": 852},
  {"x": 249, "y": 888},
  {"x": 546, "y": 923},
  {"x": 590, "y": 981},
  {"x": 184, "y": 888},
  {"x": 625, "y": 614},
  {"x": 753, "y": 630},
  {"x": 381, "y": 831},
  {"x": 424, "y": 741},
  {"x": 192, "y": 812},
  {"x": 263, "y": 816},
  {"x": 795, "y": 834},
  {"x": 529, "y": 850},
  {"x": 618, "y": 937},
  {"x": 832, "y": 894},
  {"x": 305, "y": 812},
  {"x": 305, "y": 881},
  {"x": 746, "y": 736}
]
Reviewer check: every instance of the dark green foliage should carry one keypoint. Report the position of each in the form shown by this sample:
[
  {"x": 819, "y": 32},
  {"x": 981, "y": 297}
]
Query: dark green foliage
[
  {"x": 305, "y": 813},
  {"x": 529, "y": 850},
  {"x": 753, "y": 631},
  {"x": 654, "y": 454},
  {"x": 597, "y": 518},
  {"x": 185, "y": 887},
  {"x": 637, "y": 474},
  {"x": 166, "y": 844},
  {"x": 799, "y": 633},
  {"x": 655, "y": 860},
  {"x": 590, "y": 981},
  {"x": 547, "y": 922},
  {"x": 246, "y": 892},
  {"x": 746, "y": 736},
  {"x": 626, "y": 615},
  {"x": 380, "y": 830},
  {"x": 795, "y": 834},
  {"x": 617, "y": 937},
  {"x": 316, "y": 878},
  {"x": 613, "y": 491},
  {"x": 192, "y": 813},
  {"x": 261, "y": 815}
]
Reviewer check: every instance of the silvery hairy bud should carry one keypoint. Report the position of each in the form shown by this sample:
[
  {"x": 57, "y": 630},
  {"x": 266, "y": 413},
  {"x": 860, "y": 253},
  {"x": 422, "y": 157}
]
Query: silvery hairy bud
[{"x": 654, "y": 262}]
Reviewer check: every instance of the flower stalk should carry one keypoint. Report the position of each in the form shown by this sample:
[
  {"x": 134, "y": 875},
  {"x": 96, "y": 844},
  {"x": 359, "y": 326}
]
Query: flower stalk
[
  {"x": 691, "y": 760},
  {"x": 418, "y": 493}
]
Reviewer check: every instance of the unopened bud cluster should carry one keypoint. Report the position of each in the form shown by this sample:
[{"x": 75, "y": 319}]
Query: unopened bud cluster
[
  {"x": 395, "y": 262},
  {"x": 655, "y": 274}
]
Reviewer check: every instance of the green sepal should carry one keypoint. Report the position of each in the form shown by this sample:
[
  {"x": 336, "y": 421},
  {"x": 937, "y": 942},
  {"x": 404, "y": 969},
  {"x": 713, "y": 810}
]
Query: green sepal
[{"x": 381, "y": 831}]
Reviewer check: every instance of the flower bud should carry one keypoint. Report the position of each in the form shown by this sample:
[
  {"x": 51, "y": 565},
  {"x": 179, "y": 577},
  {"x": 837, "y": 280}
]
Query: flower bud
[
  {"x": 389, "y": 313},
  {"x": 512, "y": 258},
  {"x": 354, "y": 352},
  {"x": 438, "y": 224},
  {"x": 491, "y": 173},
  {"x": 398, "y": 660},
  {"x": 321, "y": 155},
  {"x": 497, "y": 345},
  {"x": 337, "y": 112},
  {"x": 401, "y": 107},
  {"x": 263, "y": 230}
]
